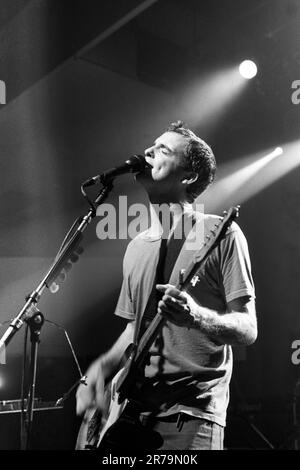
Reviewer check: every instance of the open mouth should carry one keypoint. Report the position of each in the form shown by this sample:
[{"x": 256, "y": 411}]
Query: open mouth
[
  {"x": 148, "y": 166},
  {"x": 146, "y": 170}
]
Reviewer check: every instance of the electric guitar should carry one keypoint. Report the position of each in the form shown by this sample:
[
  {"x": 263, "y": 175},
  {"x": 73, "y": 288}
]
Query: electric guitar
[{"x": 104, "y": 432}]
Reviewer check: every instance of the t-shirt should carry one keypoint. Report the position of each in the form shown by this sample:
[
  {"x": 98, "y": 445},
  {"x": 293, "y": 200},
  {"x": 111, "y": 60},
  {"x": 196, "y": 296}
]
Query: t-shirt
[{"x": 187, "y": 371}]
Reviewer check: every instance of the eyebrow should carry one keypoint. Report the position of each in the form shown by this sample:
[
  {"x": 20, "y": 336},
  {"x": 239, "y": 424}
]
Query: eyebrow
[{"x": 163, "y": 145}]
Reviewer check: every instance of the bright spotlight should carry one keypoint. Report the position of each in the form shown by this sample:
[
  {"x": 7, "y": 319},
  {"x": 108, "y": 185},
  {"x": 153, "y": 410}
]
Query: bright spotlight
[
  {"x": 278, "y": 151},
  {"x": 248, "y": 69},
  {"x": 243, "y": 178}
]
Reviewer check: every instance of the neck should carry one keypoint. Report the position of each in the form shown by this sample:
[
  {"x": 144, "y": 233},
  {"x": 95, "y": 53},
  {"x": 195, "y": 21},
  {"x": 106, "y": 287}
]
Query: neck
[
  {"x": 170, "y": 197},
  {"x": 165, "y": 216}
]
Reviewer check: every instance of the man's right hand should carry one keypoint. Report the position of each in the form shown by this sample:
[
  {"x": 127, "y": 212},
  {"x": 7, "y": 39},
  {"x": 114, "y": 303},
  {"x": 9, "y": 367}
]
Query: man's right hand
[{"x": 92, "y": 394}]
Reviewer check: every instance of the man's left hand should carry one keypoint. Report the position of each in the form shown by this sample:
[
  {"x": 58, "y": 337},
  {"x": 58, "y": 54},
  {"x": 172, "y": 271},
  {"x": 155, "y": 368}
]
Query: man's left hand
[{"x": 176, "y": 305}]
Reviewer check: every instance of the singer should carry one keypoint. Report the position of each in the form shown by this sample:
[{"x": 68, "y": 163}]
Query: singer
[{"x": 177, "y": 397}]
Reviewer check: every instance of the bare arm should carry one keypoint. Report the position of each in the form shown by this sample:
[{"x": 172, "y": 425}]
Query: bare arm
[
  {"x": 237, "y": 326},
  {"x": 110, "y": 361},
  {"x": 106, "y": 365}
]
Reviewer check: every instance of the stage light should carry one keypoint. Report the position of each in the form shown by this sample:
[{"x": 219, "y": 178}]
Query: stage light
[
  {"x": 248, "y": 69},
  {"x": 205, "y": 101},
  {"x": 278, "y": 151},
  {"x": 242, "y": 178}
]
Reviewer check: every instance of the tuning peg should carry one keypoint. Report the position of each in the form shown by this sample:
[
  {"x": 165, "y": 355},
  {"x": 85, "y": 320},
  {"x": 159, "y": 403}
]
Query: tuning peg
[
  {"x": 74, "y": 257},
  {"x": 181, "y": 275},
  {"x": 54, "y": 288},
  {"x": 68, "y": 266},
  {"x": 225, "y": 212},
  {"x": 62, "y": 276},
  {"x": 79, "y": 250}
]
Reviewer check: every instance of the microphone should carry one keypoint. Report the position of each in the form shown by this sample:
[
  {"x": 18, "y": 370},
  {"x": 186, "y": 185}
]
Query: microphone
[{"x": 134, "y": 164}]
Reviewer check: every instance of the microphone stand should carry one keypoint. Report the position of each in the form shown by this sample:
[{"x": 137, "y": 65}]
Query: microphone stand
[
  {"x": 29, "y": 312},
  {"x": 35, "y": 324}
]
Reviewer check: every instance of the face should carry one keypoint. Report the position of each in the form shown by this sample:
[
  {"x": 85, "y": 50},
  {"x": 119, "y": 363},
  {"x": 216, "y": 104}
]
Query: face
[{"x": 165, "y": 157}]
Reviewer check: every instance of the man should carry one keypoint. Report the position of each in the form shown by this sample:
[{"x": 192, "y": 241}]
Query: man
[{"x": 184, "y": 393}]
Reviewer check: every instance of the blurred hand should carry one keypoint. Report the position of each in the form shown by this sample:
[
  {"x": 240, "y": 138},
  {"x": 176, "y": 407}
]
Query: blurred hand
[{"x": 91, "y": 394}]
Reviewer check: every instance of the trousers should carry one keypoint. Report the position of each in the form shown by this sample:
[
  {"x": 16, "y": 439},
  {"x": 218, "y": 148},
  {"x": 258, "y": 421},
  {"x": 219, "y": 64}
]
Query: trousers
[{"x": 184, "y": 432}]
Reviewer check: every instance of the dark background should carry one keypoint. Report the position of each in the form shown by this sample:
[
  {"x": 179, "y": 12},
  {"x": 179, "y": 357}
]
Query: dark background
[{"x": 75, "y": 109}]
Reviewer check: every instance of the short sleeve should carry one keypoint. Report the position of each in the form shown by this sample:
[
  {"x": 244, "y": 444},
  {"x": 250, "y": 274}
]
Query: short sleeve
[
  {"x": 235, "y": 265},
  {"x": 124, "y": 306}
]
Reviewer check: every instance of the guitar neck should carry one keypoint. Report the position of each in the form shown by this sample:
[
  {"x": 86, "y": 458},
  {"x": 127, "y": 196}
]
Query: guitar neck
[
  {"x": 148, "y": 338},
  {"x": 154, "y": 327}
]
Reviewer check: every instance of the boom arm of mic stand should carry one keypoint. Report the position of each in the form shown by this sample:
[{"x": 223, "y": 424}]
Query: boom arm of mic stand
[{"x": 58, "y": 264}]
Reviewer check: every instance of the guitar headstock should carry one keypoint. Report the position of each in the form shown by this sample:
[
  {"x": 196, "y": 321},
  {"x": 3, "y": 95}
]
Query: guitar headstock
[
  {"x": 221, "y": 227},
  {"x": 231, "y": 214},
  {"x": 217, "y": 232}
]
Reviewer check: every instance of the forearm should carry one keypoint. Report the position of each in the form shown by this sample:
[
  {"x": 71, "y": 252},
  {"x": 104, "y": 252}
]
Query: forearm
[
  {"x": 235, "y": 328},
  {"x": 110, "y": 362}
]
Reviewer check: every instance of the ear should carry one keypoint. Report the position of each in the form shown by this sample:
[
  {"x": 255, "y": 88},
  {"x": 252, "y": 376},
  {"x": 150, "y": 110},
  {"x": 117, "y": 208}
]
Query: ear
[{"x": 190, "y": 178}]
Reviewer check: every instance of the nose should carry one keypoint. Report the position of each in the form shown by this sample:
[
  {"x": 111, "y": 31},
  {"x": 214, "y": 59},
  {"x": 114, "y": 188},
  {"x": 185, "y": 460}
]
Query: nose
[{"x": 150, "y": 152}]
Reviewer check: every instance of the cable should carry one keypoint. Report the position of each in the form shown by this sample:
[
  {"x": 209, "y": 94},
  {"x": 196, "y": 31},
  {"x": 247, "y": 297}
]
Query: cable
[
  {"x": 69, "y": 234},
  {"x": 88, "y": 199},
  {"x": 70, "y": 345}
]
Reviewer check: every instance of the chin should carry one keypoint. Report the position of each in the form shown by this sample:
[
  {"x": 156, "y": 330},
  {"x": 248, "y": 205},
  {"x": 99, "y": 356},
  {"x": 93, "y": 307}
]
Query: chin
[
  {"x": 140, "y": 177},
  {"x": 144, "y": 179}
]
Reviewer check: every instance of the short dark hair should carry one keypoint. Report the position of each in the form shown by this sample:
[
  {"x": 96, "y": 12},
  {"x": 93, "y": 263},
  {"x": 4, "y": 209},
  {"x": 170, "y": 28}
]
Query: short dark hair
[{"x": 198, "y": 158}]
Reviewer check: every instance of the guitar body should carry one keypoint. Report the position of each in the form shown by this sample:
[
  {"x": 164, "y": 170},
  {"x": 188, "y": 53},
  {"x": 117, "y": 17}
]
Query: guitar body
[
  {"x": 93, "y": 422},
  {"x": 116, "y": 408},
  {"x": 96, "y": 423},
  {"x": 119, "y": 429},
  {"x": 83, "y": 441},
  {"x": 123, "y": 430}
]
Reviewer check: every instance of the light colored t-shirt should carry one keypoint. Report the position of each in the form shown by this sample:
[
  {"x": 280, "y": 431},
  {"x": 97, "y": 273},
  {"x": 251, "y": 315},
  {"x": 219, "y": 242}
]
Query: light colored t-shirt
[{"x": 187, "y": 371}]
